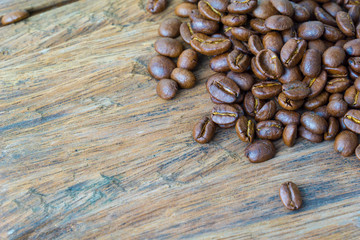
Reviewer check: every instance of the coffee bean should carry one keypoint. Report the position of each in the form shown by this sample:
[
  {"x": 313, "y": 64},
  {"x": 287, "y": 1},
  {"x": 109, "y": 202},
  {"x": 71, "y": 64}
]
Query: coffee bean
[
  {"x": 311, "y": 30},
  {"x": 184, "y": 9},
  {"x": 219, "y": 63},
  {"x": 290, "y": 196},
  {"x": 316, "y": 84},
  {"x": 289, "y": 135},
  {"x": 233, "y": 20},
  {"x": 273, "y": 41},
  {"x": 351, "y": 96},
  {"x": 242, "y": 33},
  {"x": 332, "y": 130},
  {"x": 239, "y": 45},
  {"x": 212, "y": 9},
  {"x": 279, "y": 22},
  {"x": 287, "y": 117},
  {"x": 346, "y": 143},
  {"x": 315, "y": 102},
  {"x": 322, "y": 112},
  {"x": 337, "y": 108},
  {"x": 170, "y": 28},
  {"x": 312, "y": 137},
  {"x": 296, "y": 90},
  {"x": 337, "y": 72},
  {"x": 204, "y": 130},
  {"x": 333, "y": 56},
  {"x": 354, "y": 63},
  {"x": 264, "y": 10},
  {"x": 260, "y": 151},
  {"x": 292, "y": 52},
  {"x": 301, "y": 14},
  {"x": 183, "y": 77},
  {"x": 283, "y": 6},
  {"x": 188, "y": 59},
  {"x": 259, "y": 25},
  {"x": 256, "y": 70},
  {"x": 166, "y": 89},
  {"x": 336, "y": 85},
  {"x": 245, "y": 129},
  {"x": 202, "y": 25},
  {"x": 252, "y": 104},
  {"x": 224, "y": 114},
  {"x": 324, "y": 17},
  {"x": 313, "y": 123},
  {"x": 255, "y": 44},
  {"x": 186, "y": 32},
  {"x": 357, "y": 152},
  {"x": 238, "y": 61},
  {"x": 209, "y": 46},
  {"x": 168, "y": 47},
  {"x": 318, "y": 45},
  {"x": 14, "y": 17},
  {"x": 267, "y": 112},
  {"x": 352, "y": 47},
  {"x": 289, "y": 104},
  {"x": 243, "y": 80},
  {"x": 332, "y": 34},
  {"x": 160, "y": 67},
  {"x": 345, "y": 23},
  {"x": 269, "y": 64},
  {"x": 266, "y": 89},
  {"x": 270, "y": 129},
  {"x": 241, "y": 7},
  {"x": 311, "y": 63},
  {"x": 336, "y": 96},
  {"x": 222, "y": 88},
  {"x": 332, "y": 8},
  {"x": 310, "y": 6},
  {"x": 291, "y": 74},
  {"x": 352, "y": 120}
]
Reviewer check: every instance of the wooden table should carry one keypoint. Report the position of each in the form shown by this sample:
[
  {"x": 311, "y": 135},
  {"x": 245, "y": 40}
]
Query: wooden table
[{"x": 88, "y": 150}]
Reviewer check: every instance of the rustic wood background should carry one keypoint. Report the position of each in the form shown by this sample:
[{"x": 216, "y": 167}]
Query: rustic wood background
[{"x": 88, "y": 151}]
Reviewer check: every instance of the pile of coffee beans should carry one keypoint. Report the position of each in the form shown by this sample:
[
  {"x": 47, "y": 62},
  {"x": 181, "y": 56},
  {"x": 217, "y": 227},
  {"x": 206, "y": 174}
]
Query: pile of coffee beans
[{"x": 282, "y": 69}]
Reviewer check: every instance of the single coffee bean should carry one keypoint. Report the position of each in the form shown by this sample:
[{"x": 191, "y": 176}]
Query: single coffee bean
[
  {"x": 160, "y": 67},
  {"x": 332, "y": 34},
  {"x": 224, "y": 114},
  {"x": 332, "y": 130},
  {"x": 255, "y": 44},
  {"x": 345, "y": 23},
  {"x": 270, "y": 129},
  {"x": 269, "y": 64},
  {"x": 322, "y": 112},
  {"x": 354, "y": 63},
  {"x": 332, "y": 8},
  {"x": 311, "y": 63},
  {"x": 243, "y": 80},
  {"x": 336, "y": 85},
  {"x": 260, "y": 151},
  {"x": 351, "y": 96},
  {"x": 352, "y": 47},
  {"x": 166, "y": 89},
  {"x": 170, "y": 28},
  {"x": 266, "y": 89},
  {"x": 223, "y": 88},
  {"x": 338, "y": 72},
  {"x": 287, "y": 117},
  {"x": 209, "y": 46},
  {"x": 315, "y": 102},
  {"x": 238, "y": 61},
  {"x": 310, "y": 5},
  {"x": 242, "y": 33},
  {"x": 311, "y": 30},
  {"x": 267, "y": 112},
  {"x": 245, "y": 129},
  {"x": 279, "y": 22},
  {"x": 184, "y": 9},
  {"x": 352, "y": 120},
  {"x": 316, "y": 84},
  {"x": 259, "y": 25},
  {"x": 252, "y": 104},
  {"x": 318, "y": 45},
  {"x": 292, "y": 52},
  {"x": 14, "y": 17},
  {"x": 204, "y": 130},
  {"x": 291, "y": 74},
  {"x": 312, "y": 137},
  {"x": 333, "y": 57},
  {"x": 324, "y": 17},
  {"x": 296, "y": 90},
  {"x": 260, "y": 75},
  {"x": 290, "y": 134},
  {"x": 346, "y": 143},
  {"x": 301, "y": 14},
  {"x": 283, "y": 6},
  {"x": 168, "y": 47},
  {"x": 290, "y": 196},
  {"x": 219, "y": 63},
  {"x": 273, "y": 41},
  {"x": 357, "y": 152},
  {"x": 264, "y": 10},
  {"x": 289, "y": 104},
  {"x": 233, "y": 20},
  {"x": 183, "y": 77},
  {"x": 186, "y": 32},
  {"x": 241, "y": 7},
  {"x": 188, "y": 59},
  {"x": 313, "y": 123},
  {"x": 212, "y": 9},
  {"x": 337, "y": 108},
  {"x": 202, "y": 25}
]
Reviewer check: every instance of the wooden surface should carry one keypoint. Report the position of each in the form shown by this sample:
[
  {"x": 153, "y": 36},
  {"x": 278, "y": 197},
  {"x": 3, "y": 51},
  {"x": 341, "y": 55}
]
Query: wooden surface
[{"x": 88, "y": 151}]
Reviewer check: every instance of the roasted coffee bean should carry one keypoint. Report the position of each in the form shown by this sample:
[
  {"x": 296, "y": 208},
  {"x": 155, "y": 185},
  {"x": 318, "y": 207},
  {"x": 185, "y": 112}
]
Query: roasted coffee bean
[
  {"x": 352, "y": 120},
  {"x": 238, "y": 61},
  {"x": 315, "y": 102},
  {"x": 332, "y": 8},
  {"x": 242, "y": 33},
  {"x": 255, "y": 44},
  {"x": 346, "y": 143},
  {"x": 296, "y": 90},
  {"x": 337, "y": 72},
  {"x": 256, "y": 71},
  {"x": 252, "y": 104},
  {"x": 292, "y": 52},
  {"x": 322, "y": 112},
  {"x": 266, "y": 89},
  {"x": 166, "y": 89},
  {"x": 204, "y": 130},
  {"x": 264, "y": 10},
  {"x": 242, "y": 6},
  {"x": 186, "y": 32},
  {"x": 289, "y": 104},
  {"x": 336, "y": 85},
  {"x": 168, "y": 47},
  {"x": 259, "y": 25},
  {"x": 209, "y": 46},
  {"x": 332, "y": 130},
  {"x": 313, "y": 123},
  {"x": 310, "y": 5},
  {"x": 19, "y": 15},
  {"x": 337, "y": 108},
  {"x": 270, "y": 129},
  {"x": 223, "y": 88},
  {"x": 316, "y": 84},
  {"x": 291, "y": 74},
  {"x": 188, "y": 59},
  {"x": 223, "y": 114},
  {"x": 333, "y": 57},
  {"x": 288, "y": 34},
  {"x": 243, "y": 80},
  {"x": 318, "y": 45},
  {"x": 336, "y": 96},
  {"x": 287, "y": 117},
  {"x": 311, "y": 30},
  {"x": 354, "y": 63},
  {"x": 324, "y": 17},
  {"x": 301, "y": 14},
  {"x": 345, "y": 23},
  {"x": 273, "y": 41},
  {"x": 290, "y": 196},
  {"x": 352, "y": 97},
  {"x": 260, "y": 151},
  {"x": 266, "y": 112},
  {"x": 357, "y": 152},
  {"x": 269, "y": 64},
  {"x": 160, "y": 67},
  {"x": 283, "y": 6},
  {"x": 332, "y": 34},
  {"x": 212, "y": 9},
  {"x": 239, "y": 45},
  {"x": 202, "y": 25},
  {"x": 279, "y": 22},
  {"x": 184, "y": 9},
  {"x": 354, "y": 13},
  {"x": 352, "y": 47},
  {"x": 170, "y": 28},
  {"x": 219, "y": 63},
  {"x": 311, "y": 63},
  {"x": 233, "y": 20},
  {"x": 245, "y": 129},
  {"x": 312, "y": 137},
  {"x": 183, "y": 77},
  {"x": 290, "y": 134}
]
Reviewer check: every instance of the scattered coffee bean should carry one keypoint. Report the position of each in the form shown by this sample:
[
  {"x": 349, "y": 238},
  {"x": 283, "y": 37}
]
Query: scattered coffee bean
[
  {"x": 290, "y": 134},
  {"x": 204, "y": 130},
  {"x": 166, "y": 89},
  {"x": 168, "y": 47},
  {"x": 170, "y": 28},
  {"x": 245, "y": 129},
  {"x": 346, "y": 143},
  {"x": 188, "y": 59},
  {"x": 183, "y": 77},
  {"x": 260, "y": 151},
  {"x": 290, "y": 196},
  {"x": 184, "y": 9},
  {"x": 269, "y": 129},
  {"x": 14, "y": 17},
  {"x": 160, "y": 67}
]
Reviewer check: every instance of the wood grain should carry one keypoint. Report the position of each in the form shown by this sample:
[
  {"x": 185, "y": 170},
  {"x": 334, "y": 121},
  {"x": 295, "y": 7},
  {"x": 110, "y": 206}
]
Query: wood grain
[{"x": 88, "y": 151}]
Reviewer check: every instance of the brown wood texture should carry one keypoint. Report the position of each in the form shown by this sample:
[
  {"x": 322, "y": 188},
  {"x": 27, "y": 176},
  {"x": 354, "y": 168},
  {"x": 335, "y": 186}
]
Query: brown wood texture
[{"x": 88, "y": 151}]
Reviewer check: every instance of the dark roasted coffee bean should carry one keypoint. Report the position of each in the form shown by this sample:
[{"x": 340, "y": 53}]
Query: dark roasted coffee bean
[
  {"x": 219, "y": 63},
  {"x": 264, "y": 10},
  {"x": 301, "y": 14},
  {"x": 233, "y": 20},
  {"x": 242, "y": 33},
  {"x": 188, "y": 59},
  {"x": 290, "y": 196},
  {"x": 313, "y": 123},
  {"x": 354, "y": 13},
  {"x": 315, "y": 102},
  {"x": 310, "y": 5},
  {"x": 283, "y": 6},
  {"x": 204, "y": 130},
  {"x": 19, "y": 15},
  {"x": 332, "y": 34},
  {"x": 168, "y": 47},
  {"x": 324, "y": 17},
  {"x": 345, "y": 23},
  {"x": 332, "y": 8},
  {"x": 238, "y": 61},
  {"x": 312, "y": 137},
  {"x": 269, "y": 64},
  {"x": 332, "y": 130},
  {"x": 245, "y": 129},
  {"x": 270, "y": 129},
  {"x": 184, "y": 9},
  {"x": 266, "y": 89},
  {"x": 316, "y": 84},
  {"x": 352, "y": 48},
  {"x": 289, "y": 104},
  {"x": 287, "y": 117},
  {"x": 337, "y": 72},
  {"x": 223, "y": 88},
  {"x": 166, "y": 89},
  {"x": 260, "y": 151},
  {"x": 267, "y": 112},
  {"x": 209, "y": 46},
  {"x": 243, "y": 80},
  {"x": 291, "y": 74},
  {"x": 273, "y": 41},
  {"x": 256, "y": 71},
  {"x": 354, "y": 63},
  {"x": 311, "y": 30},
  {"x": 352, "y": 120},
  {"x": 186, "y": 32},
  {"x": 357, "y": 152},
  {"x": 311, "y": 63},
  {"x": 241, "y": 7},
  {"x": 352, "y": 97},
  {"x": 333, "y": 56},
  {"x": 183, "y": 77},
  {"x": 289, "y": 135},
  {"x": 292, "y": 52},
  {"x": 170, "y": 28},
  {"x": 252, "y": 104},
  {"x": 212, "y": 9},
  {"x": 318, "y": 45},
  {"x": 255, "y": 44},
  {"x": 160, "y": 67},
  {"x": 336, "y": 85},
  {"x": 279, "y": 22},
  {"x": 296, "y": 90},
  {"x": 224, "y": 114},
  {"x": 202, "y": 25},
  {"x": 337, "y": 108},
  {"x": 259, "y": 25},
  {"x": 346, "y": 143}
]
